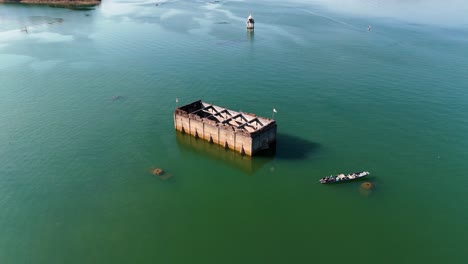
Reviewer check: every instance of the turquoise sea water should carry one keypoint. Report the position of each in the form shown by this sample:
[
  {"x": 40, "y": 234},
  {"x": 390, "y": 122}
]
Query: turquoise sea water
[{"x": 86, "y": 112}]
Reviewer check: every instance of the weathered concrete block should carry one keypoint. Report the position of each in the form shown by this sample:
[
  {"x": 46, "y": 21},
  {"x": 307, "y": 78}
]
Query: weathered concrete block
[{"x": 243, "y": 132}]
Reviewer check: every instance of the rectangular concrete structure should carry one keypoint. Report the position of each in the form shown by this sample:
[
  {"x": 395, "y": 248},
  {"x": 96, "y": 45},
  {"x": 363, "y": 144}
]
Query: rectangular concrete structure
[{"x": 243, "y": 132}]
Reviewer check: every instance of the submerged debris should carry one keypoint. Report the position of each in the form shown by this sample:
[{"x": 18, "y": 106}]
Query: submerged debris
[
  {"x": 366, "y": 185},
  {"x": 117, "y": 97},
  {"x": 366, "y": 188},
  {"x": 158, "y": 172},
  {"x": 161, "y": 174}
]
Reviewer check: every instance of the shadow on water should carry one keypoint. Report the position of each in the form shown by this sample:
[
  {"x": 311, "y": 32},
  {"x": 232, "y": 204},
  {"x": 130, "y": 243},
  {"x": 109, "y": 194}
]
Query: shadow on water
[
  {"x": 215, "y": 152},
  {"x": 88, "y": 7},
  {"x": 290, "y": 147},
  {"x": 78, "y": 8}
]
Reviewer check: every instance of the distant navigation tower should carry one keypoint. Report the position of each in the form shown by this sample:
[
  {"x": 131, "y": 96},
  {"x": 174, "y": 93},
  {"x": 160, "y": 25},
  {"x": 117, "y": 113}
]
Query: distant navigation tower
[{"x": 250, "y": 22}]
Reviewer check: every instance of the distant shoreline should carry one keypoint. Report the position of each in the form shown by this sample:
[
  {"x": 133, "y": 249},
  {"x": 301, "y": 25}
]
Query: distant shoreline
[{"x": 56, "y": 2}]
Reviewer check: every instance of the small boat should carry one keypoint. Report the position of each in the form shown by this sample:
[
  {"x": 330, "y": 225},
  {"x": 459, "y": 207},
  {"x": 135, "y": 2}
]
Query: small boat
[{"x": 344, "y": 177}]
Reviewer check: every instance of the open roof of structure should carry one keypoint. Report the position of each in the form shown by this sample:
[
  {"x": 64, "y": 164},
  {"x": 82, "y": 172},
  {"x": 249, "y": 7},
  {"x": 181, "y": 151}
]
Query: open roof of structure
[{"x": 223, "y": 116}]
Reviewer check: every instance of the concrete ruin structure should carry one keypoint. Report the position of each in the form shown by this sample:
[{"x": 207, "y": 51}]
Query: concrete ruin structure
[{"x": 243, "y": 132}]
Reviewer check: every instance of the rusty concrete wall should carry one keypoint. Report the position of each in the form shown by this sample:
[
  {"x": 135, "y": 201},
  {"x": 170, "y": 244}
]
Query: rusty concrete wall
[
  {"x": 265, "y": 139},
  {"x": 224, "y": 136}
]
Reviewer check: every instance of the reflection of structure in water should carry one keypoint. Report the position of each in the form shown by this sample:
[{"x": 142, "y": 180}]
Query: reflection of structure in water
[
  {"x": 204, "y": 148},
  {"x": 250, "y": 35},
  {"x": 243, "y": 132}
]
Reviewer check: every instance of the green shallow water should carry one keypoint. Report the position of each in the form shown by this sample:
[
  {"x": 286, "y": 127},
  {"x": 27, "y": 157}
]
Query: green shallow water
[{"x": 75, "y": 182}]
